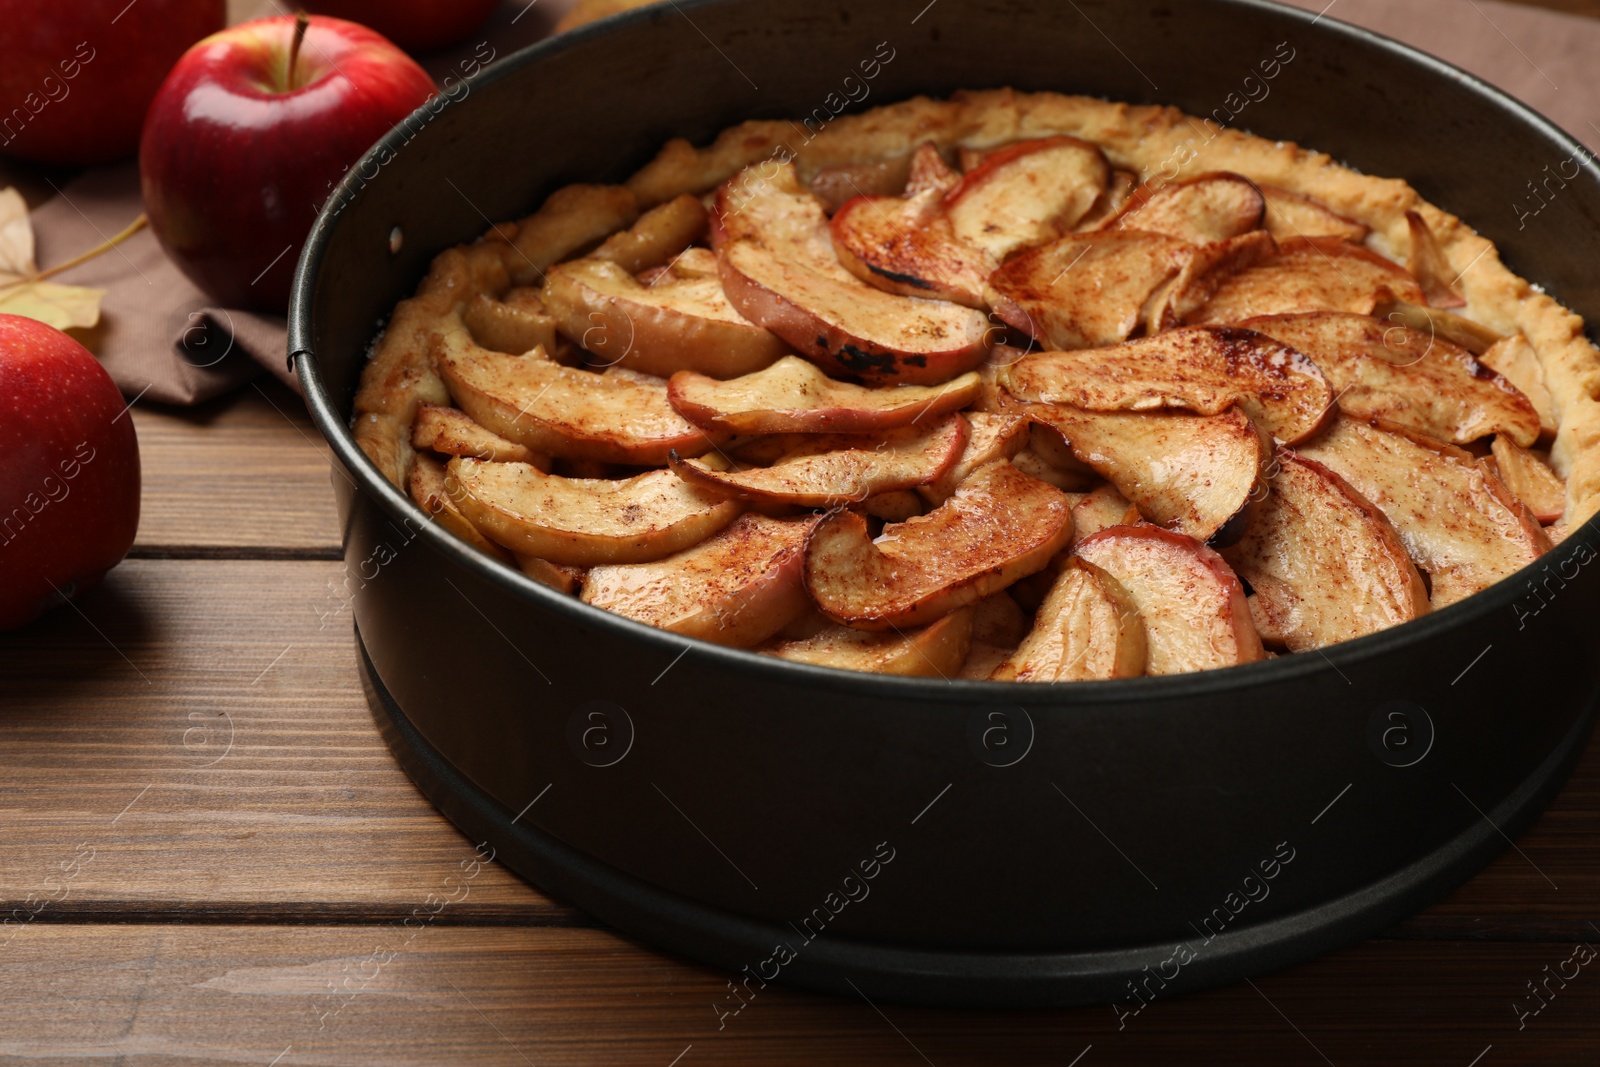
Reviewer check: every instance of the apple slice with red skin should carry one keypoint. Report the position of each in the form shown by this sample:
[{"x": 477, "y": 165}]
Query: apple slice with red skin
[
  {"x": 1197, "y": 474},
  {"x": 1085, "y": 290},
  {"x": 1207, "y": 208},
  {"x": 989, "y": 437},
  {"x": 998, "y": 526},
  {"x": 832, "y": 470},
  {"x": 738, "y": 587},
  {"x": 662, "y": 328},
  {"x": 1460, "y": 525},
  {"x": 1382, "y": 371},
  {"x": 935, "y": 651},
  {"x": 1026, "y": 194},
  {"x": 585, "y": 522},
  {"x": 1325, "y": 564},
  {"x": 794, "y": 396},
  {"x": 1087, "y": 629},
  {"x": 848, "y": 328},
  {"x": 1311, "y": 274},
  {"x": 1192, "y": 605},
  {"x": 1292, "y": 215},
  {"x": 1530, "y": 480},
  {"x": 562, "y": 411},
  {"x": 1203, "y": 369},
  {"x": 909, "y": 247},
  {"x": 452, "y": 431}
]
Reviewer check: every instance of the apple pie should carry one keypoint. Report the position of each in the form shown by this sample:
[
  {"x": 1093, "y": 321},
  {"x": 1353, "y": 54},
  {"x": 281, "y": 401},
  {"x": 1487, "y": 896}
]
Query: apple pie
[{"x": 1024, "y": 387}]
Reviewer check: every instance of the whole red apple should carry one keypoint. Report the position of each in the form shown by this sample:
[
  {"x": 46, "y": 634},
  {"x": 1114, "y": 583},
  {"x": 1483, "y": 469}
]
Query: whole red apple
[
  {"x": 249, "y": 134},
  {"x": 77, "y": 75},
  {"x": 415, "y": 25},
  {"x": 69, "y": 470}
]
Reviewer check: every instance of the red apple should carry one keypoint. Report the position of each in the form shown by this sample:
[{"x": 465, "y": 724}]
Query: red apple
[
  {"x": 69, "y": 480},
  {"x": 77, "y": 75},
  {"x": 240, "y": 150},
  {"x": 415, "y": 25}
]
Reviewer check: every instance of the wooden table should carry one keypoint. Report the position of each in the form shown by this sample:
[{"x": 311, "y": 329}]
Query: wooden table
[{"x": 209, "y": 854}]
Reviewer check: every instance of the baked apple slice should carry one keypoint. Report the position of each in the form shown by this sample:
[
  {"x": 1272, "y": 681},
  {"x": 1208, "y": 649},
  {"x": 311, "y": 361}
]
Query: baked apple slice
[
  {"x": 990, "y": 437},
  {"x": 1530, "y": 480},
  {"x": 428, "y": 488},
  {"x": 1026, "y": 194},
  {"x": 847, "y": 327},
  {"x": 1205, "y": 268},
  {"x": 1196, "y": 474},
  {"x": 998, "y": 526},
  {"x": 1203, "y": 369},
  {"x": 794, "y": 396},
  {"x": 1427, "y": 263},
  {"x": 450, "y": 431},
  {"x": 998, "y": 627},
  {"x": 1292, "y": 215},
  {"x": 585, "y": 522},
  {"x": 1461, "y": 526},
  {"x": 558, "y": 576},
  {"x": 1475, "y": 337},
  {"x": 1207, "y": 208},
  {"x": 1311, "y": 274},
  {"x": 1514, "y": 359},
  {"x": 832, "y": 470},
  {"x": 1087, "y": 629},
  {"x": 837, "y": 185},
  {"x": 929, "y": 172},
  {"x": 738, "y": 587},
  {"x": 656, "y": 236},
  {"x": 566, "y": 412},
  {"x": 1100, "y": 509},
  {"x": 1192, "y": 605},
  {"x": 1411, "y": 379},
  {"x": 1087, "y": 289},
  {"x": 518, "y": 322},
  {"x": 670, "y": 326},
  {"x": 935, "y": 651},
  {"x": 1324, "y": 563},
  {"x": 908, "y": 247}
]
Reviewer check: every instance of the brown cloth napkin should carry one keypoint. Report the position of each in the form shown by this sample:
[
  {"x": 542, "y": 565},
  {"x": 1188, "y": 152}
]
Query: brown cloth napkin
[{"x": 160, "y": 338}]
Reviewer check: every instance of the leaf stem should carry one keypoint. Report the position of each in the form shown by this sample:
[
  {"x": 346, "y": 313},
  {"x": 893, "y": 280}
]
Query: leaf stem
[{"x": 128, "y": 231}]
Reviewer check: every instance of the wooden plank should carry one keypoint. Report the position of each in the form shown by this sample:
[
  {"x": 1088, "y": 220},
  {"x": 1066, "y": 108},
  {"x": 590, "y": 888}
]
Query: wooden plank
[
  {"x": 152, "y": 995},
  {"x": 245, "y": 471},
  {"x": 201, "y": 727},
  {"x": 221, "y": 700}
]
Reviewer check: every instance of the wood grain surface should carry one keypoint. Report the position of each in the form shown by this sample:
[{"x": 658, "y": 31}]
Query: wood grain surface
[{"x": 380, "y": 994}]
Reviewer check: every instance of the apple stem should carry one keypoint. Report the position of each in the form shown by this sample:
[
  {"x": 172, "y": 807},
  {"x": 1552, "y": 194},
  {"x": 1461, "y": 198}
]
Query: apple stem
[
  {"x": 301, "y": 22},
  {"x": 105, "y": 246}
]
